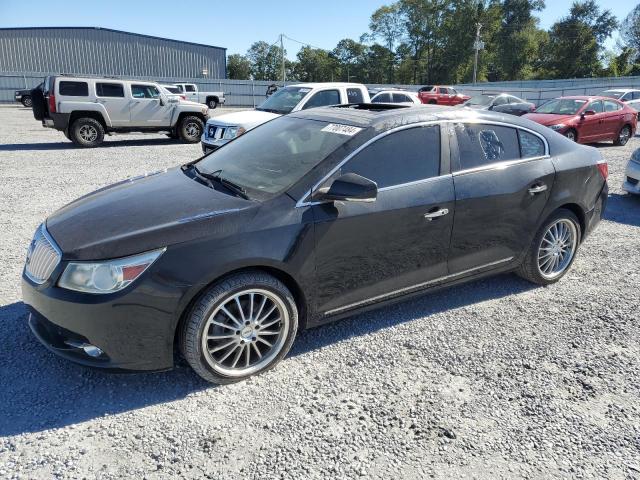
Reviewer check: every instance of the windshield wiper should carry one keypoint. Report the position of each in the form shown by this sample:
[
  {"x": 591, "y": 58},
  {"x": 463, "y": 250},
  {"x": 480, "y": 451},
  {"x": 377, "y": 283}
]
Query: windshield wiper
[{"x": 216, "y": 177}]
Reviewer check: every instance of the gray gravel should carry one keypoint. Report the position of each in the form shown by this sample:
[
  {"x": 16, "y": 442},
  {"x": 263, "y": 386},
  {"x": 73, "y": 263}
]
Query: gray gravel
[{"x": 494, "y": 379}]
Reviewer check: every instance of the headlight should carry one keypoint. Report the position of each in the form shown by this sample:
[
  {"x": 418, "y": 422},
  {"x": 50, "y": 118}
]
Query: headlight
[
  {"x": 557, "y": 127},
  {"x": 108, "y": 276},
  {"x": 233, "y": 132}
]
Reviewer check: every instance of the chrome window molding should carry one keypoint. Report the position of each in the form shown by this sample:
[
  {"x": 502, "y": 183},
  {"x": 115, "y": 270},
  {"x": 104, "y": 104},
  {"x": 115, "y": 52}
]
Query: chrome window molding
[
  {"x": 305, "y": 200},
  {"x": 416, "y": 287}
]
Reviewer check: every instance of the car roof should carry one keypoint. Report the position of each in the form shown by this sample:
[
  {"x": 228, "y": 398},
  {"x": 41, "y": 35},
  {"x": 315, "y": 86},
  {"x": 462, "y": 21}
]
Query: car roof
[
  {"x": 326, "y": 84},
  {"x": 396, "y": 90}
]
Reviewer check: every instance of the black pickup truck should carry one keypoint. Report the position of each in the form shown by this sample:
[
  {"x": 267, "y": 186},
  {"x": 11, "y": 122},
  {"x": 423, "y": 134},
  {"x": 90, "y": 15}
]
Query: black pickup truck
[{"x": 24, "y": 97}]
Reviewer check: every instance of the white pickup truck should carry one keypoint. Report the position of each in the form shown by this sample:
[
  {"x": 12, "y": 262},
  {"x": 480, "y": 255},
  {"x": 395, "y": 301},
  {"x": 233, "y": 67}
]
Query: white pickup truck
[
  {"x": 222, "y": 129},
  {"x": 210, "y": 99}
]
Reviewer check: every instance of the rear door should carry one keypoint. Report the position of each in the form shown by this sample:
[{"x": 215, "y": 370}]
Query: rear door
[
  {"x": 365, "y": 251},
  {"x": 146, "y": 109},
  {"x": 115, "y": 100},
  {"x": 502, "y": 177},
  {"x": 613, "y": 118}
]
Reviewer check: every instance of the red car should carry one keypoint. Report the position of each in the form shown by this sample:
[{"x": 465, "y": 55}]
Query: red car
[
  {"x": 439, "y": 95},
  {"x": 587, "y": 119}
]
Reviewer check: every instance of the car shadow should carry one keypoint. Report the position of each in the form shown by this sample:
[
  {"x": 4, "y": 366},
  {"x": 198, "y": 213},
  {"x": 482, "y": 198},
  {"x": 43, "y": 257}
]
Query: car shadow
[
  {"x": 41, "y": 391},
  {"x": 623, "y": 208},
  {"x": 108, "y": 143}
]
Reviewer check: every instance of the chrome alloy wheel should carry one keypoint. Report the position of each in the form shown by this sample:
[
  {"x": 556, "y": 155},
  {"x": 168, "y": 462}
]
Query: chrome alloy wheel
[
  {"x": 88, "y": 133},
  {"x": 245, "y": 332},
  {"x": 557, "y": 248},
  {"x": 624, "y": 135},
  {"x": 193, "y": 130},
  {"x": 571, "y": 135}
]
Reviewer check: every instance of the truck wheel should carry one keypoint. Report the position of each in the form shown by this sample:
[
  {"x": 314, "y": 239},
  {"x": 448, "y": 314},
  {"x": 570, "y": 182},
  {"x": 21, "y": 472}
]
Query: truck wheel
[
  {"x": 432, "y": 102},
  {"x": 26, "y": 101},
  {"x": 86, "y": 132},
  {"x": 212, "y": 103},
  {"x": 190, "y": 129}
]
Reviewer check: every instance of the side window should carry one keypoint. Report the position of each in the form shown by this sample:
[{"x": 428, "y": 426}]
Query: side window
[
  {"x": 481, "y": 145},
  {"x": 512, "y": 100},
  {"x": 109, "y": 90},
  {"x": 382, "y": 98},
  {"x": 596, "y": 106},
  {"x": 530, "y": 145},
  {"x": 400, "y": 98},
  {"x": 610, "y": 106},
  {"x": 180, "y": 88},
  {"x": 402, "y": 157},
  {"x": 453, "y": 91},
  {"x": 74, "y": 89},
  {"x": 500, "y": 100},
  {"x": 443, "y": 90},
  {"x": 354, "y": 95},
  {"x": 427, "y": 88},
  {"x": 323, "y": 98},
  {"x": 636, "y": 95},
  {"x": 144, "y": 91},
  {"x": 625, "y": 98},
  {"x": 190, "y": 88}
]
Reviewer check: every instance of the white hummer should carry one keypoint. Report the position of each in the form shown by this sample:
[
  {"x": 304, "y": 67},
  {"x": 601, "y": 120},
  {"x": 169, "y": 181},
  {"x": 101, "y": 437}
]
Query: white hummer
[
  {"x": 86, "y": 108},
  {"x": 222, "y": 129},
  {"x": 210, "y": 99}
]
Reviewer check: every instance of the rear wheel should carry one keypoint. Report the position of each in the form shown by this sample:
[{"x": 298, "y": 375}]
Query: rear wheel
[
  {"x": 572, "y": 135},
  {"x": 212, "y": 103},
  {"x": 86, "y": 132},
  {"x": 241, "y": 326},
  {"x": 553, "y": 249},
  {"x": 432, "y": 102},
  {"x": 623, "y": 136},
  {"x": 190, "y": 129},
  {"x": 26, "y": 101}
]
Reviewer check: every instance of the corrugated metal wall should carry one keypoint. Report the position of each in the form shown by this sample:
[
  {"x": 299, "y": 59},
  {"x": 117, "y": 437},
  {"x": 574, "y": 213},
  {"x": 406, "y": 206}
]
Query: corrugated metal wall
[{"x": 99, "y": 51}]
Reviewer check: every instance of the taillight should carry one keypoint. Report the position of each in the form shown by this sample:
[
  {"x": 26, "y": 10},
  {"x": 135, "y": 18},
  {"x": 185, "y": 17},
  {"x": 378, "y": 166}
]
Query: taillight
[
  {"x": 604, "y": 169},
  {"x": 52, "y": 103},
  {"x": 183, "y": 97}
]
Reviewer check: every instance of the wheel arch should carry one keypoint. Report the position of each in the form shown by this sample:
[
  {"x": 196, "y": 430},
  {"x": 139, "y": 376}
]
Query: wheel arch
[
  {"x": 76, "y": 114},
  {"x": 189, "y": 114},
  {"x": 213, "y": 97},
  {"x": 578, "y": 211}
]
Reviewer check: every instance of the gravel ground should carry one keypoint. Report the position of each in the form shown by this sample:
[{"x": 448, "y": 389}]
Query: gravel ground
[{"x": 493, "y": 379}]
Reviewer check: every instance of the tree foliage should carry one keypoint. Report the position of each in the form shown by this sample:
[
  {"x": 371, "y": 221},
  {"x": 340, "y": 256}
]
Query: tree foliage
[{"x": 238, "y": 67}]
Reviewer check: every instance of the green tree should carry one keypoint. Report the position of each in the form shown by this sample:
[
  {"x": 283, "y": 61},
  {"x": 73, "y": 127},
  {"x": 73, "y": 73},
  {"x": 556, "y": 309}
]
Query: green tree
[
  {"x": 316, "y": 65},
  {"x": 350, "y": 55},
  {"x": 266, "y": 61},
  {"x": 238, "y": 67},
  {"x": 630, "y": 31}
]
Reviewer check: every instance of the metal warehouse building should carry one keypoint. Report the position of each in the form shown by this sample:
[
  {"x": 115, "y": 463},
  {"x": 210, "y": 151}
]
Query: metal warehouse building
[{"x": 102, "y": 51}]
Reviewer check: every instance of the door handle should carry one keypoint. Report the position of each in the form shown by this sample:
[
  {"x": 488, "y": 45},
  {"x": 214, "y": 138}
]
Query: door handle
[
  {"x": 437, "y": 214},
  {"x": 539, "y": 188}
]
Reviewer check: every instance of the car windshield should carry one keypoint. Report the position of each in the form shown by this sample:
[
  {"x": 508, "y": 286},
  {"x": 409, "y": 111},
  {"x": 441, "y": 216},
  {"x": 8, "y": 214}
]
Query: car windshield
[
  {"x": 481, "y": 100},
  {"x": 284, "y": 100},
  {"x": 562, "y": 106},
  {"x": 271, "y": 158}
]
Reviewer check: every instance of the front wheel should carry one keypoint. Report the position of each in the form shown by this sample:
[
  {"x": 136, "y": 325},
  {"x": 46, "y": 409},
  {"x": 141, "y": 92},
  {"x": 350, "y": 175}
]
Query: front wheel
[
  {"x": 243, "y": 325},
  {"x": 553, "y": 249},
  {"x": 623, "y": 136},
  {"x": 572, "y": 135},
  {"x": 26, "y": 101},
  {"x": 190, "y": 129}
]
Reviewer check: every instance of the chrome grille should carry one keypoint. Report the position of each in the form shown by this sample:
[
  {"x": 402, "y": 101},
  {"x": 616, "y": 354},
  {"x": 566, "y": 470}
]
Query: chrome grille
[{"x": 43, "y": 256}]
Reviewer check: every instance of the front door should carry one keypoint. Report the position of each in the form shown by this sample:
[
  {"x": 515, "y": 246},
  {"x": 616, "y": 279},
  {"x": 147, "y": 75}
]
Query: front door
[
  {"x": 366, "y": 252},
  {"x": 146, "y": 107},
  {"x": 502, "y": 179},
  {"x": 591, "y": 127}
]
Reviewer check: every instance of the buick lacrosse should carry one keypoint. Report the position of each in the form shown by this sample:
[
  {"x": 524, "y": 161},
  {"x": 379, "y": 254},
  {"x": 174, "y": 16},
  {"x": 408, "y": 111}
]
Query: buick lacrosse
[{"x": 309, "y": 218}]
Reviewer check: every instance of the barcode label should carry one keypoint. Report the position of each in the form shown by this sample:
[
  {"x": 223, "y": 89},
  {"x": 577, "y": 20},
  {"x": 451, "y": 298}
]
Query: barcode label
[{"x": 341, "y": 129}]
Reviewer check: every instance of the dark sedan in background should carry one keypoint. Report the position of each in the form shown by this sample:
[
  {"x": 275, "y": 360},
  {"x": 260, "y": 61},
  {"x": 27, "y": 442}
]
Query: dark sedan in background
[
  {"x": 308, "y": 218},
  {"x": 503, "y": 103},
  {"x": 23, "y": 97}
]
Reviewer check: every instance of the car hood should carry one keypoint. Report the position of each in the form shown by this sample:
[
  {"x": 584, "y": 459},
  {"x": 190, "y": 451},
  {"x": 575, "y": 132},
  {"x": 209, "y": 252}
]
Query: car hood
[
  {"x": 548, "y": 118},
  {"x": 247, "y": 119},
  {"x": 142, "y": 214}
]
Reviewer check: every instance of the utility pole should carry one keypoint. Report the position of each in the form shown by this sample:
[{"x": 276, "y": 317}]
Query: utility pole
[
  {"x": 478, "y": 45},
  {"x": 284, "y": 78}
]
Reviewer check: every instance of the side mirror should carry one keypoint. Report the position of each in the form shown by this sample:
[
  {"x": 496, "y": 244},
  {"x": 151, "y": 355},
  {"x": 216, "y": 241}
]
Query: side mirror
[
  {"x": 349, "y": 187},
  {"x": 161, "y": 100},
  {"x": 588, "y": 113}
]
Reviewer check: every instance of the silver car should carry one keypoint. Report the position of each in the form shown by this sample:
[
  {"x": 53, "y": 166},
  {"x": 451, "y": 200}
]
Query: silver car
[{"x": 632, "y": 180}]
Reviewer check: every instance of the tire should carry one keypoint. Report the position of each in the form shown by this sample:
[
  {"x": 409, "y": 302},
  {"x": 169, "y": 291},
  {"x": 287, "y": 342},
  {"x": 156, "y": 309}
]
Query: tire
[
  {"x": 223, "y": 358},
  {"x": 26, "y": 101},
  {"x": 86, "y": 132},
  {"x": 212, "y": 103},
  {"x": 537, "y": 266},
  {"x": 37, "y": 103},
  {"x": 190, "y": 129},
  {"x": 432, "y": 102},
  {"x": 623, "y": 136},
  {"x": 572, "y": 135}
]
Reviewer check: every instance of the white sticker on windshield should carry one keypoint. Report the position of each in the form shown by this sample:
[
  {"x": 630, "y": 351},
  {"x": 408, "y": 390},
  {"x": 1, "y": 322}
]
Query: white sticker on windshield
[
  {"x": 341, "y": 129},
  {"x": 304, "y": 90}
]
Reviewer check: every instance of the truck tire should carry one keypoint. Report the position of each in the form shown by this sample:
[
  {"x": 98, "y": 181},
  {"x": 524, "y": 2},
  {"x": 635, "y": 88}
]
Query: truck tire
[
  {"x": 37, "y": 103},
  {"x": 26, "y": 101},
  {"x": 86, "y": 132},
  {"x": 190, "y": 129},
  {"x": 212, "y": 103}
]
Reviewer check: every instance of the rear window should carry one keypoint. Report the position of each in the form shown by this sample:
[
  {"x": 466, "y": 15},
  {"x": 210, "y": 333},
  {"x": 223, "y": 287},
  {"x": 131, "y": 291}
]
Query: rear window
[
  {"x": 190, "y": 88},
  {"x": 109, "y": 90},
  {"x": 354, "y": 95},
  {"x": 74, "y": 89},
  {"x": 610, "y": 106},
  {"x": 531, "y": 145},
  {"x": 428, "y": 88}
]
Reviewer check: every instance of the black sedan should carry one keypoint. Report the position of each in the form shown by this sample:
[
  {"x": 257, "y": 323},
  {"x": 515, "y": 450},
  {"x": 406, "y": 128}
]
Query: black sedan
[
  {"x": 502, "y": 103},
  {"x": 309, "y": 218}
]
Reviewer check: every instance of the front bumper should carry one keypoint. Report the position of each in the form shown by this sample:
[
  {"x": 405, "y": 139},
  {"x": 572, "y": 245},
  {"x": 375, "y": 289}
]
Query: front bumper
[
  {"x": 134, "y": 328},
  {"x": 209, "y": 146},
  {"x": 18, "y": 98},
  {"x": 632, "y": 178}
]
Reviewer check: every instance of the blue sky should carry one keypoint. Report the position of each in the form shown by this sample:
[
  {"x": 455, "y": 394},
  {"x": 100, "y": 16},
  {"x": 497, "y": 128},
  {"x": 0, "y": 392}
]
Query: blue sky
[{"x": 234, "y": 25}]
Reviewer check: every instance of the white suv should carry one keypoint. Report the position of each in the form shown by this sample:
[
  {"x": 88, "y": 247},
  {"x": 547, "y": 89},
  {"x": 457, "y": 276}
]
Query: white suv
[
  {"x": 86, "y": 108},
  {"x": 221, "y": 129}
]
